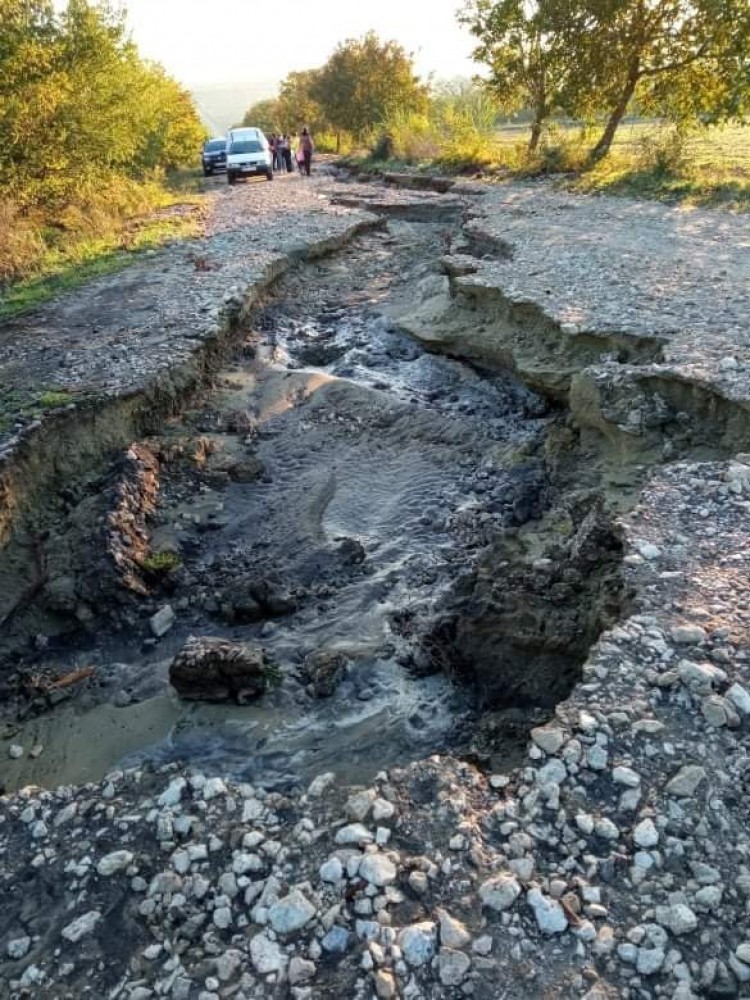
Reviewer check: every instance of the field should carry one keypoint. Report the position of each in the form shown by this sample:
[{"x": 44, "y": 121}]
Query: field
[{"x": 709, "y": 166}]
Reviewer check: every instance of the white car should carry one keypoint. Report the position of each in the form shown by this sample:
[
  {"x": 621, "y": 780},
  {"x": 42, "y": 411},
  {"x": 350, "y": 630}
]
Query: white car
[{"x": 248, "y": 154}]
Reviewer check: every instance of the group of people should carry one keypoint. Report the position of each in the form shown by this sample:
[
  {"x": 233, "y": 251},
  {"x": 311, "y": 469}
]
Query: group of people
[{"x": 281, "y": 150}]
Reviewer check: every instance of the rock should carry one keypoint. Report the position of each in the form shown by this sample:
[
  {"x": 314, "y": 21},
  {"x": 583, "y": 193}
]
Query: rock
[
  {"x": 453, "y": 934},
  {"x": 17, "y": 948},
  {"x": 301, "y": 971},
  {"x": 115, "y": 862},
  {"x": 354, "y": 833},
  {"x": 548, "y": 738},
  {"x": 550, "y": 916},
  {"x": 649, "y": 961},
  {"x": 323, "y": 670},
  {"x": 162, "y": 621},
  {"x": 646, "y": 834},
  {"x": 319, "y": 785},
  {"x": 679, "y": 918},
  {"x": 291, "y": 913},
  {"x": 266, "y": 955},
  {"x": 15, "y": 751},
  {"x": 452, "y": 966},
  {"x": 687, "y": 635},
  {"x": 742, "y": 952},
  {"x": 418, "y": 943},
  {"x": 173, "y": 793},
  {"x": 358, "y": 806},
  {"x": 385, "y": 986},
  {"x": 626, "y": 776},
  {"x": 719, "y": 712},
  {"x": 377, "y": 869},
  {"x": 336, "y": 941},
  {"x": 685, "y": 783},
  {"x": 213, "y": 669},
  {"x": 331, "y": 871},
  {"x": 81, "y": 926},
  {"x": 499, "y": 893},
  {"x": 740, "y": 698}
]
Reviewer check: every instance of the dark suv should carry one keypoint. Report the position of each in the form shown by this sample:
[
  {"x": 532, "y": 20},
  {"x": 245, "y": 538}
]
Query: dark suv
[{"x": 214, "y": 156}]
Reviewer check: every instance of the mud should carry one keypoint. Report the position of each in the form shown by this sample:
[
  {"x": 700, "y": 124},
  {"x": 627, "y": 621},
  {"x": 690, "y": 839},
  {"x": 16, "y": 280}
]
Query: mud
[{"x": 355, "y": 505}]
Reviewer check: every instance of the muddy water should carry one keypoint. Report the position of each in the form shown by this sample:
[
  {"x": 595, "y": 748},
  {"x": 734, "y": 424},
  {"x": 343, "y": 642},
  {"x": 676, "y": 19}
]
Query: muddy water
[{"x": 386, "y": 472}]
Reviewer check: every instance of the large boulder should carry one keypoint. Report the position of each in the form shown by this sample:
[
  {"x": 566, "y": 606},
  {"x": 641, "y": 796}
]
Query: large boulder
[{"x": 213, "y": 669}]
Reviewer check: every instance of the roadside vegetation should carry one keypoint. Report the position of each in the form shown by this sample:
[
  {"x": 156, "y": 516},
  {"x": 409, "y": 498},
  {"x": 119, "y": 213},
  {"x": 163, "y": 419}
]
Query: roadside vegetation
[
  {"x": 91, "y": 134},
  {"x": 640, "y": 97}
]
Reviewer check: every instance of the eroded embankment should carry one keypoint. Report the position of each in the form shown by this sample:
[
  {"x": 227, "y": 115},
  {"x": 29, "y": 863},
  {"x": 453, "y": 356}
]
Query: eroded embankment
[{"x": 52, "y": 462}]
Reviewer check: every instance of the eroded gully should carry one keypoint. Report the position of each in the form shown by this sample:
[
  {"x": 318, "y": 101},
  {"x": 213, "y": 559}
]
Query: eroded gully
[{"x": 330, "y": 499}]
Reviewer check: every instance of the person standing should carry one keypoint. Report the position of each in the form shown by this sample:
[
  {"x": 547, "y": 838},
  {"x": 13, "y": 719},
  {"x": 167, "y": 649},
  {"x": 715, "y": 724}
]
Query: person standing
[
  {"x": 307, "y": 147},
  {"x": 288, "y": 153}
]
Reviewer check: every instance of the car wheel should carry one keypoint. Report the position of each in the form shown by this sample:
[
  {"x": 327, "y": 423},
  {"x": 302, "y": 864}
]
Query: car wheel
[
  {"x": 269, "y": 175},
  {"x": 207, "y": 172},
  {"x": 231, "y": 178}
]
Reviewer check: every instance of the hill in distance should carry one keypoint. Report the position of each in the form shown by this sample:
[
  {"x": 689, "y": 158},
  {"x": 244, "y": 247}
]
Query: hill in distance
[{"x": 222, "y": 105}]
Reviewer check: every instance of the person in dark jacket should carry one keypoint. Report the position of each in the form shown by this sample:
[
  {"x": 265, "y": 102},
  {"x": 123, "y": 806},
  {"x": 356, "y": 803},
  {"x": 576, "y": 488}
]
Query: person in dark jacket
[{"x": 307, "y": 146}]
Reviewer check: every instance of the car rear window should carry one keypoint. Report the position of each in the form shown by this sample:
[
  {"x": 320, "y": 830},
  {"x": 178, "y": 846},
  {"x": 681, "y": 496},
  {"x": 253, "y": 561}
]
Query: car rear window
[
  {"x": 248, "y": 146},
  {"x": 215, "y": 145}
]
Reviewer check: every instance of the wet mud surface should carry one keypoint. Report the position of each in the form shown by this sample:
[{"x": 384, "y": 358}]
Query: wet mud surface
[{"x": 326, "y": 496}]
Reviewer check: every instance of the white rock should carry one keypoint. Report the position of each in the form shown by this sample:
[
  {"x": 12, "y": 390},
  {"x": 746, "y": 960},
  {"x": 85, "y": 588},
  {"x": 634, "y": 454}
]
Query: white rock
[
  {"x": 606, "y": 829},
  {"x": 301, "y": 971},
  {"x": 554, "y": 772},
  {"x": 81, "y": 926},
  {"x": 354, "y": 833},
  {"x": 222, "y": 917},
  {"x": 213, "y": 788},
  {"x": 318, "y": 786},
  {"x": 548, "y": 738},
  {"x": 115, "y": 862},
  {"x": 358, "y": 806},
  {"x": 418, "y": 943},
  {"x": 332, "y": 870},
  {"x": 266, "y": 955},
  {"x": 646, "y": 834},
  {"x": 499, "y": 893},
  {"x": 685, "y": 783},
  {"x": 452, "y": 966},
  {"x": 162, "y": 621},
  {"x": 687, "y": 635},
  {"x": 291, "y": 913},
  {"x": 550, "y": 916},
  {"x": 679, "y": 918},
  {"x": 453, "y": 934},
  {"x": 648, "y": 550},
  {"x": 626, "y": 776},
  {"x": 742, "y": 951},
  {"x": 173, "y": 793},
  {"x": 377, "y": 869},
  {"x": 382, "y": 809},
  {"x": 740, "y": 698},
  {"x": 649, "y": 960},
  {"x": 18, "y": 947}
]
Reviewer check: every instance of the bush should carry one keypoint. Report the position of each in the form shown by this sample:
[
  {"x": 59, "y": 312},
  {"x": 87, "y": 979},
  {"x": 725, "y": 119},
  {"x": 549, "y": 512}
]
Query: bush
[{"x": 664, "y": 153}]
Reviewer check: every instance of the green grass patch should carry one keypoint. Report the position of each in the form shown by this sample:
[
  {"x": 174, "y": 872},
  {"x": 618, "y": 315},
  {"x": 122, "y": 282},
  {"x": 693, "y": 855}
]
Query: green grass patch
[
  {"x": 55, "y": 397},
  {"x": 43, "y": 254},
  {"x": 161, "y": 563}
]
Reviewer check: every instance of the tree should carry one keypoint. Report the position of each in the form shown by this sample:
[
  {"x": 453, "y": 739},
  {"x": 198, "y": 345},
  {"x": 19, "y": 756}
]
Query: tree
[
  {"x": 530, "y": 49},
  {"x": 263, "y": 114},
  {"x": 364, "y": 80},
  {"x": 298, "y": 105},
  {"x": 685, "y": 57}
]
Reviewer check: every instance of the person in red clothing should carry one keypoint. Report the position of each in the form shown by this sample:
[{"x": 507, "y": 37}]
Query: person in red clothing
[{"x": 306, "y": 146}]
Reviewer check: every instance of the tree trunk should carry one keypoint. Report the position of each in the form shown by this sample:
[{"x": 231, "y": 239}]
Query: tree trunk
[
  {"x": 536, "y": 133},
  {"x": 601, "y": 149},
  {"x": 338, "y": 143}
]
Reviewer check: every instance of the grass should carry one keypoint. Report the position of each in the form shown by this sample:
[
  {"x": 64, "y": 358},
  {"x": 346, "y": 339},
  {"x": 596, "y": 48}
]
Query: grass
[
  {"x": 98, "y": 245},
  {"x": 160, "y": 563},
  {"x": 708, "y": 167}
]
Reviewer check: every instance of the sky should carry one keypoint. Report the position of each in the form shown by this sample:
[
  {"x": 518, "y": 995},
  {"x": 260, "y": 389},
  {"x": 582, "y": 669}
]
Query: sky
[{"x": 228, "y": 41}]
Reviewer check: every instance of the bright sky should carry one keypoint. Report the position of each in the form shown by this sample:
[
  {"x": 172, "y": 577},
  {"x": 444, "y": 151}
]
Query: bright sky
[{"x": 226, "y": 41}]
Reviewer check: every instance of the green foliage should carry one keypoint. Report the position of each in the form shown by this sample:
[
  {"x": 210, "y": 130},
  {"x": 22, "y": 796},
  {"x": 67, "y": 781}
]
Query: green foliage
[
  {"x": 55, "y": 397},
  {"x": 592, "y": 59},
  {"x": 84, "y": 120},
  {"x": 264, "y": 115},
  {"x": 363, "y": 82},
  {"x": 161, "y": 563}
]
